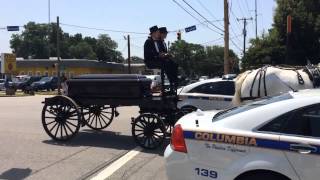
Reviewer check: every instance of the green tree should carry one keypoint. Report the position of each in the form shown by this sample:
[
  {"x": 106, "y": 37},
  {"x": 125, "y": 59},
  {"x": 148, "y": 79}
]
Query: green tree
[
  {"x": 264, "y": 50},
  {"x": 305, "y": 35},
  {"x": 82, "y": 51},
  {"x": 213, "y": 64},
  {"x": 196, "y": 60},
  {"x": 135, "y": 60},
  {"x": 32, "y": 42},
  {"x": 35, "y": 42},
  {"x": 187, "y": 55},
  {"x": 106, "y": 49},
  {"x": 304, "y": 39}
]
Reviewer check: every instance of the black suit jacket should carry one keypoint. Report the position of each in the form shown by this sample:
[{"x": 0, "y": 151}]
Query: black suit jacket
[
  {"x": 162, "y": 46},
  {"x": 151, "y": 54}
]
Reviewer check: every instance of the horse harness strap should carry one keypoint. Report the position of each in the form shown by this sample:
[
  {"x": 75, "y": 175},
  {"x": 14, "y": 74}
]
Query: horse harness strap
[
  {"x": 314, "y": 74},
  {"x": 312, "y": 71},
  {"x": 262, "y": 75},
  {"x": 300, "y": 79}
]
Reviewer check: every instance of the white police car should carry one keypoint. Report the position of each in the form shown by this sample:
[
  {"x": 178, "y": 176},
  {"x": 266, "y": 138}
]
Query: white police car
[
  {"x": 276, "y": 138},
  {"x": 207, "y": 95}
]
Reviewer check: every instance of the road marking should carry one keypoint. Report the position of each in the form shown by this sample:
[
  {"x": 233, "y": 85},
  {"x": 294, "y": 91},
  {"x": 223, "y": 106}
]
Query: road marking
[{"x": 113, "y": 167}]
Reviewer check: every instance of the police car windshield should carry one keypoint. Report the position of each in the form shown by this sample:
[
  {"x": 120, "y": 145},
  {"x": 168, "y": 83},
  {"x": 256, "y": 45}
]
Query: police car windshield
[{"x": 252, "y": 105}]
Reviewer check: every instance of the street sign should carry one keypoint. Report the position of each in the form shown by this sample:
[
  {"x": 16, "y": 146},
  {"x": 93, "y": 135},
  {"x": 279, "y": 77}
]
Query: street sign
[
  {"x": 13, "y": 28},
  {"x": 191, "y": 28},
  {"x": 8, "y": 63}
]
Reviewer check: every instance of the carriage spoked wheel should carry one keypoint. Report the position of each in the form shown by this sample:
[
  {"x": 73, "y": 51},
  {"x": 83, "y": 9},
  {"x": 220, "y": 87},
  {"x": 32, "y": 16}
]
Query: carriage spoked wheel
[
  {"x": 98, "y": 117},
  {"x": 170, "y": 121},
  {"x": 61, "y": 118},
  {"x": 148, "y": 131}
]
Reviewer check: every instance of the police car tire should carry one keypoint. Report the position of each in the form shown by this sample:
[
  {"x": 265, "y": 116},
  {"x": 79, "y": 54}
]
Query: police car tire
[{"x": 265, "y": 175}]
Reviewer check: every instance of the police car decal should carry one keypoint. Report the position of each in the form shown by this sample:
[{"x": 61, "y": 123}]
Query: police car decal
[
  {"x": 206, "y": 98},
  {"x": 243, "y": 140}
]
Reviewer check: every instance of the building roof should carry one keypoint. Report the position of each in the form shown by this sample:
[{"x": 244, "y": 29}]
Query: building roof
[{"x": 68, "y": 63}]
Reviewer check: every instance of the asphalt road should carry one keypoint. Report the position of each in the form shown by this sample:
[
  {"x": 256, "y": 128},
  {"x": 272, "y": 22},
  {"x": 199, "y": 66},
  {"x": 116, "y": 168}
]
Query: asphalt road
[{"x": 27, "y": 152}]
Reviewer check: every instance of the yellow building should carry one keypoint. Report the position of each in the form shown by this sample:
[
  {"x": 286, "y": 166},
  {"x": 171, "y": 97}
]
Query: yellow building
[{"x": 72, "y": 67}]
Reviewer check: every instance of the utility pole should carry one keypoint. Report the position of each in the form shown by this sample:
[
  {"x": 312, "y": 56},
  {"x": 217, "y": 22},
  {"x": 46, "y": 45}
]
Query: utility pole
[
  {"x": 226, "y": 38},
  {"x": 289, "y": 30},
  {"x": 129, "y": 55},
  {"x": 244, "y": 32},
  {"x": 49, "y": 19},
  {"x": 256, "y": 18},
  {"x": 58, "y": 55}
]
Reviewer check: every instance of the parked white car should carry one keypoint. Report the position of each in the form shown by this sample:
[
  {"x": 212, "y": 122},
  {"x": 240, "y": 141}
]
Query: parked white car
[
  {"x": 207, "y": 95},
  {"x": 276, "y": 138}
]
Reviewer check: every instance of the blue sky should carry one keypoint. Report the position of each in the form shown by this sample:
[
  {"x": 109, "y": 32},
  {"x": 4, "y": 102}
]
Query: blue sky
[{"x": 137, "y": 16}]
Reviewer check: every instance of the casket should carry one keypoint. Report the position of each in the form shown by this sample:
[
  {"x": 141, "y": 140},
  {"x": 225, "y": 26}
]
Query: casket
[{"x": 110, "y": 86}]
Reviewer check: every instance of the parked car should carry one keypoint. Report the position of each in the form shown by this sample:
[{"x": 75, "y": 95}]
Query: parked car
[
  {"x": 22, "y": 84},
  {"x": 203, "y": 78},
  {"x": 272, "y": 139},
  {"x": 156, "y": 82},
  {"x": 229, "y": 76},
  {"x": 45, "y": 83},
  {"x": 207, "y": 95},
  {"x": 3, "y": 86},
  {"x": 2, "y": 81}
]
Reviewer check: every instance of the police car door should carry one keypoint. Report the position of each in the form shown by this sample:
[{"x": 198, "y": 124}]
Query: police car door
[
  {"x": 301, "y": 134},
  {"x": 213, "y": 95}
]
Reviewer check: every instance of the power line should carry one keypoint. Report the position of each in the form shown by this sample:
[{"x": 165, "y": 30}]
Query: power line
[
  {"x": 195, "y": 17},
  {"x": 237, "y": 22},
  {"x": 247, "y": 4},
  {"x": 205, "y": 8},
  {"x": 100, "y": 29},
  {"x": 124, "y": 48},
  {"x": 234, "y": 16},
  {"x": 140, "y": 47},
  {"x": 238, "y": 2},
  {"x": 203, "y": 23},
  {"x": 234, "y": 33},
  {"x": 235, "y": 45},
  {"x": 208, "y": 11},
  {"x": 218, "y": 39},
  {"x": 202, "y": 16}
]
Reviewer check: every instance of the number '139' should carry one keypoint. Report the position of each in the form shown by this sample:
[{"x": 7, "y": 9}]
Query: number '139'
[{"x": 206, "y": 173}]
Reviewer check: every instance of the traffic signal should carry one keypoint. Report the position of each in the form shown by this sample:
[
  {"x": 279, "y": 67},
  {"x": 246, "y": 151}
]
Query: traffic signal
[{"x": 179, "y": 35}]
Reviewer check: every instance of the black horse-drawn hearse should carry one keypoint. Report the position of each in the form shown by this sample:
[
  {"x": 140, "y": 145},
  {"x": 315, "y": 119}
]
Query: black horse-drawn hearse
[{"x": 92, "y": 100}]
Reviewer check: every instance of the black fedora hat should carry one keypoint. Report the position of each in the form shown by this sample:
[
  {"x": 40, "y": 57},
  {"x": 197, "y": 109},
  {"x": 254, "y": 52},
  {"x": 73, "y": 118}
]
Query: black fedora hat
[
  {"x": 153, "y": 29},
  {"x": 163, "y": 30}
]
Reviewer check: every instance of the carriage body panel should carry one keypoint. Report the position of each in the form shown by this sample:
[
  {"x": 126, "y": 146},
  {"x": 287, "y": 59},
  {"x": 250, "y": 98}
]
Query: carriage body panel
[{"x": 109, "y": 86}]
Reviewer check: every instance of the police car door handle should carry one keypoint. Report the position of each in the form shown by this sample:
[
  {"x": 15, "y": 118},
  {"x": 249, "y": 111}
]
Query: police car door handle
[{"x": 303, "y": 148}]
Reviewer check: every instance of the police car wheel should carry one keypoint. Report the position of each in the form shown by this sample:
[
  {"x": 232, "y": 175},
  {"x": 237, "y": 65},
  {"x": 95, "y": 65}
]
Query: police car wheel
[
  {"x": 264, "y": 175},
  {"x": 148, "y": 131}
]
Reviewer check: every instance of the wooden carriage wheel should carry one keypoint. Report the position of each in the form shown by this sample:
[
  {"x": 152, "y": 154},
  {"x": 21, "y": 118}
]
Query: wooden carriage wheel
[
  {"x": 98, "y": 117},
  {"x": 148, "y": 131},
  {"x": 61, "y": 118}
]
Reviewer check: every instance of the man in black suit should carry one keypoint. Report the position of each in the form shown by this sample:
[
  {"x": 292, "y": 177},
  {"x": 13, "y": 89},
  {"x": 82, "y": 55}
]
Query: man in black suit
[
  {"x": 151, "y": 50},
  {"x": 156, "y": 55},
  {"x": 171, "y": 67}
]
